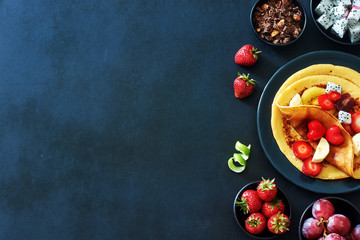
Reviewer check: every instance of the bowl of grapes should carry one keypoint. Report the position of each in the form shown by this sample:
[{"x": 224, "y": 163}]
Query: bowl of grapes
[{"x": 330, "y": 218}]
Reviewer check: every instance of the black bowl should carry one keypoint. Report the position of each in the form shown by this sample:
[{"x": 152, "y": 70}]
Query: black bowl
[
  {"x": 303, "y": 24},
  {"x": 345, "y": 40},
  {"x": 241, "y": 217},
  {"x": 342, "y": 206}
]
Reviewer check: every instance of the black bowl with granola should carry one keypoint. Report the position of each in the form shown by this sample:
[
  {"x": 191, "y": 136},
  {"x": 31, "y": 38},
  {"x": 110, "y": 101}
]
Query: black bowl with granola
[{"x": 278, "y": 22}]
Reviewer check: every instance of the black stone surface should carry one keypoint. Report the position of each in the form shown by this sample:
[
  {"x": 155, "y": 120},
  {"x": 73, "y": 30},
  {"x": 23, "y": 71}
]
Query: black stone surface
[{"x": 117, "y": 118}]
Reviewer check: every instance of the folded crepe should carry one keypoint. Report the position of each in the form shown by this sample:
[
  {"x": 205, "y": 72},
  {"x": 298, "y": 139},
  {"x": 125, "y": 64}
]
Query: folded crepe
[{"x": 289, "y": 124}]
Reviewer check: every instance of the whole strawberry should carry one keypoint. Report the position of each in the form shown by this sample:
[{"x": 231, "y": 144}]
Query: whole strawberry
[
  {"x": 249, "y": 202},
  {"x": 255, "y": 223},
  {"x": 273, "y": 207},
  {"x": 243, "y": 86},
  {"x": 278, "y": 223},
  {"x": 247, "y": 55},
  {"x": 267, "y": 189}
]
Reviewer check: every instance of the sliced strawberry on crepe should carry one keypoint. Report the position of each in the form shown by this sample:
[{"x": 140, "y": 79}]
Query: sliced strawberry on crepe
[
  {"x": 334, "y": 96},
  {"x": 316, "y": 130},
  {"x": 355, "y": 122},
  {"x": 325, "y": 102},
  {"x": 302, "y": 149},
  {"x": 311, "y": 168}
]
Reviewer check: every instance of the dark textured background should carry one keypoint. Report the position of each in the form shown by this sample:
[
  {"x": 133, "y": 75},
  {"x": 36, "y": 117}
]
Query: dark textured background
[{"x": 117, "y": 118}]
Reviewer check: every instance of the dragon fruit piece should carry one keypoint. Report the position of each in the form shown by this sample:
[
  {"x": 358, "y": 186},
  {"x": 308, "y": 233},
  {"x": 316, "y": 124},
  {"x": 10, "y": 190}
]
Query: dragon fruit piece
[
  {"x": 337, "y": 2},
  {"x": 339, "y": 28},
  {"x": 356, "y": 3},
  {"x": 330, "y": 87},
  {"x": 354, "y": 32},
  {"x": 345, "y": 2},
  {"x": 324, "y": 6},
  {"x": 354, "y": 15},
  {"x": 339, "y": 11},
  {"x": 326, "y": 21},
  {"x": 344, "y": 117}
]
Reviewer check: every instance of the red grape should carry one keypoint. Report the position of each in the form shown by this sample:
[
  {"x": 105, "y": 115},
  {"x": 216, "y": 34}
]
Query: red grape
[
  {"x": 334, "y": 236},
  {"x": 355, "y": 233},
  {"x": 339, "y": 224},
  {"x": 312, "y": 229},
  {"x": 322, "y": 208}
]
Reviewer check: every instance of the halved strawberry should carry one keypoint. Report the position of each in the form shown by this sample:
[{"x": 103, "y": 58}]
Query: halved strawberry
[
  {"x": 355, "y": 122},
  {"x": 316, "y": 130},
  {"x": 334, "y": 136},
  {"x": 302, "y": 149},
  {"x": 310, "y": 168},
  {"x": 334, "y": 95},
  {"x": 325, "y": 102}
]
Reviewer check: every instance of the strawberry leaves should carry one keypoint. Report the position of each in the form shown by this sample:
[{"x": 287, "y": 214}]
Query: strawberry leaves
[{"x": 279, "y": 223}]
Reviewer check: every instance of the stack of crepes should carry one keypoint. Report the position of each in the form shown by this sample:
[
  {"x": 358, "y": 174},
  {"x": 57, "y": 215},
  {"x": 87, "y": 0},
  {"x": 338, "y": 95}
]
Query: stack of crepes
[{"x": 289, "y": 124}]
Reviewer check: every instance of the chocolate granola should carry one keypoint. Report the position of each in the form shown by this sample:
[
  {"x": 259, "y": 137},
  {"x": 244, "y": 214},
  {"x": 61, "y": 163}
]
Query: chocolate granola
[{"x": 278, "y": 21}]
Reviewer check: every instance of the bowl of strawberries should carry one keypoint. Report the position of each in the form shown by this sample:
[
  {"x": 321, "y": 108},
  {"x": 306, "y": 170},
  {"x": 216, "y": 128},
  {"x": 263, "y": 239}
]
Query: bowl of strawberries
[{"x": 262, "y": 209}]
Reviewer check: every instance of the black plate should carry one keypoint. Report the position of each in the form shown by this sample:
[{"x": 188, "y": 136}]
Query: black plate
[{"x": 272, "y": 151}]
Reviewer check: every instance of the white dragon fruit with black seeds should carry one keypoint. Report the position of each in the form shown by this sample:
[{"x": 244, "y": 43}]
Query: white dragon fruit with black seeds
[
  {"x": 341, "y": 16},
  {"x": 345, "y": 2},
  {"x": 339, "y": 11},
  {"x": 344, "y": 117},
  {"x": 336, "y": 2},
  {"x": 354, "y": 15},
  {"x": 354, "y": 32},
  {"x": 330, "y": 87},
  {"x": 326, "y": 21},
  {"x": 340, "y": 26},
  {"x": 324, "y": 6},
  {"x": 356, "y": 3}
]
